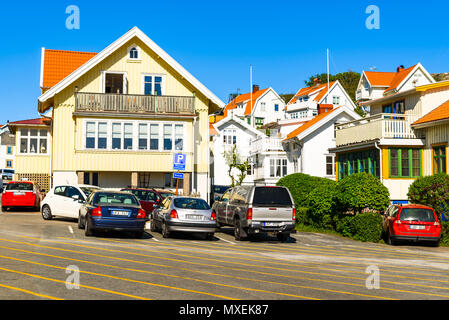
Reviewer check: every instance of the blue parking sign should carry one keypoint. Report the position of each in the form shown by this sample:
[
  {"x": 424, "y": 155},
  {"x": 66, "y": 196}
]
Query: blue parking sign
[
  {"x": 178, "y": 176},
  {"x": 179, "y": 162}
]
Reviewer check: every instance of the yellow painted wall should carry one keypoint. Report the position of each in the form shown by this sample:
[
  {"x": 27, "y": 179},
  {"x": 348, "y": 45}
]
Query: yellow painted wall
[{"x": 67, "y": 132}]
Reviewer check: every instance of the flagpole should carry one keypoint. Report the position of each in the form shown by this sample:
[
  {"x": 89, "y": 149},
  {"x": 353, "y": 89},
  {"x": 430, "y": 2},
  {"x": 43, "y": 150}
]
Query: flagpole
[
  {"x": 327, "y": 75},
  {"x": 251, "y": 90}
]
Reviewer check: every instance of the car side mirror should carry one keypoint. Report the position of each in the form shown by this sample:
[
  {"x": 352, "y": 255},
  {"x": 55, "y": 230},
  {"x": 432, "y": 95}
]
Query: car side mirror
[{"x": 76, "y": 197}]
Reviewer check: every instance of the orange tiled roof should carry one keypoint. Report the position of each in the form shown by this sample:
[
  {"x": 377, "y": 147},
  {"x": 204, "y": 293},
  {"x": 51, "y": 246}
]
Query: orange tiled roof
[
  {"x": 440, "y": 113},
  {"x": 399, "y": 77},
  {"x": 308, "y": 124},
  {"x": 382, "y": 79},
  {"x": 38, "y": 121},
  {"x": 246, "y": 97},
  {"x": 311, "y": 90},
  {"x": 212, "y": 130},
  {"x": 58, "y": 64}
]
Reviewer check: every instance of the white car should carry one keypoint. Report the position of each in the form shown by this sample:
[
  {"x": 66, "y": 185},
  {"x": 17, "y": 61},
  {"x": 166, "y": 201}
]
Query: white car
[{"x": 65, "y": 200}]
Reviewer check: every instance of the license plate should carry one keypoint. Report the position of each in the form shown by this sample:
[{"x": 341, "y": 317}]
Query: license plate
[
  {"x": 120, "y": 213},
  {"x": 19, "y": 193},
  {"x": 271, "y": 224},
  {"x": 417, "y": 227},
  {"x": 194, "y": 217}
]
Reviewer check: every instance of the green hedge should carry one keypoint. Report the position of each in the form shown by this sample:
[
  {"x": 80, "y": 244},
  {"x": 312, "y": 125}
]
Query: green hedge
[
  {"x": 300, "y": 185},
  {"x": 366, "y": 227},
  {"x": 444, "y": 233}
]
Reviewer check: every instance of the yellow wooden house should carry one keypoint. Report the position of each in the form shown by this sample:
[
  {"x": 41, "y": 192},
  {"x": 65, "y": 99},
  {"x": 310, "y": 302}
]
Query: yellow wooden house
[{"x": 119, "y": 116}]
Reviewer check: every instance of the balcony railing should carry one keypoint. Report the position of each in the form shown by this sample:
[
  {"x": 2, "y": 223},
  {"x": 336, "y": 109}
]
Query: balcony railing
[
  {"x": 266, "y": 145},
  {"x": 129, "y": 103},
  {"x": 383, "y": 125}
]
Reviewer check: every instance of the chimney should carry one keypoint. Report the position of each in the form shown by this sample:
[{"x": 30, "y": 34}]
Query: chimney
[
  {"x": 255, "y": 88},
  {"x": 323, "y": 108},
  {"x": 400, "y": 68}
]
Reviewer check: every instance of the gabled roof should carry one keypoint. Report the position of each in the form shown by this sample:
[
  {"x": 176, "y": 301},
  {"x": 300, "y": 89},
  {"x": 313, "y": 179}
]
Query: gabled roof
[
  {"x": 237, "y": 120},
  {"x": 321, "y": 89},
  {"x": 318, "y": 121},
  {"x": 134, "y": 32},
  {"x": 58, "y": 64},
  {"x": 245, "y": 99},
  {"x": 399, "y": 77},
  {"x": 379, "y": 79},
  {"x": 31, "y": 122},
  {"x": 439, "y": 113}
]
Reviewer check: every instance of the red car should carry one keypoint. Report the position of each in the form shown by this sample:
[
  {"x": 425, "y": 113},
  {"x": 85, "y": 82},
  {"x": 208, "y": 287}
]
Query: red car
[
  {"x": 21, "y": 194},
  {"x": 148, "y": 198},
  {"x": 411, "y": 223}
]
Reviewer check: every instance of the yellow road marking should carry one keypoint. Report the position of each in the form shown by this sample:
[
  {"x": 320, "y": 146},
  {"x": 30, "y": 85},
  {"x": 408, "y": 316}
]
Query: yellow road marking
[
  {"x": 84, "y": 286},
  {"x": 120, "y": 278},
  {"x": 290, "y": 263},
  {"x": 223, "y": 267},
  {"x": 201, "y": 272},
  {"x": 30, "y": 292}
]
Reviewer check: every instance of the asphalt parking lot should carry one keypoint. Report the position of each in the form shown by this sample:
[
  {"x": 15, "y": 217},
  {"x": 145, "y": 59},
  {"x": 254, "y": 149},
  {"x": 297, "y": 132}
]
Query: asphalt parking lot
[{"x": 39, "y": 258}]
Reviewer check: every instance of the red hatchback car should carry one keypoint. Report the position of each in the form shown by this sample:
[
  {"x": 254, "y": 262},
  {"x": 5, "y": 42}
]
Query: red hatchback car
[
  {"x": 21, "y": 194},
  {"x": 411, "y": 222},
  {"x": 148, "y": 198}
]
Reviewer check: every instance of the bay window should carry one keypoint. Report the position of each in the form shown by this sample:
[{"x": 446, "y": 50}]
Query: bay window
[{"x": 33, "y": 141}]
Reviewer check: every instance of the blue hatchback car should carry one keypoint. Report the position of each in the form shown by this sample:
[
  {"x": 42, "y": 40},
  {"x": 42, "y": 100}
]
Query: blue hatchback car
[{"x": 112, "y": 210}]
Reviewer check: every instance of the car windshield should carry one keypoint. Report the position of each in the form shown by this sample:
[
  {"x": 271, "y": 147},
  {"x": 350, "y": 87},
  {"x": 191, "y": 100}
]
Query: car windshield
[
  {"x": 20, "y": 186},
  {"x": 110, "y": 198},
  {"x": 8, "y": 171},
  {"x": 140, "y": 194},
  {"x": 166, "y": 194},
  {"x": 191, "y": 203},
  {"x": 88, "y": 190},
  {"x": 417, "y": 214},
  {"x": 272, "y": 196}
]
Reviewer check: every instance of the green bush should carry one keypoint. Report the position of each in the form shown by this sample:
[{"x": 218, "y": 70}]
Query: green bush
[
  {"x": 367, "y": 227},
  {"x": 302, "y": 215},
  {"x": 300, "y": 185},
  {"x": 432, "y": 191},
  {"x": 321, "y": 204},
  {"x": 360, "y": 192},
  {"x": 343, "y": 225},
  {"x": 444, "y": 233}
]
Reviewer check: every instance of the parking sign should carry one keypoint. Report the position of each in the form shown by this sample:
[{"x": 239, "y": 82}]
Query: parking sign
[{"x": 179, "y": 162}]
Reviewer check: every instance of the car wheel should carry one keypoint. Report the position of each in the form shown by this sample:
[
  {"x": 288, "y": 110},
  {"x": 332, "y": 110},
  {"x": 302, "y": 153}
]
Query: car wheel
[
  {"x": 88, "y": 229},
  {"x": 46, "y": 213},
  {"x": 80, "y": 223},
  {"x": 153, "y": 227},
  {"x": 390, "y": 241},
  {"x": 4, "y": 209},
  {"x": 165, "y": 232},
  {"x": 238, "y": 232},
  {"x": 282, "y": 236},
  {"x": 436, "y": 243},
  {"x": 139, "y": 234}
]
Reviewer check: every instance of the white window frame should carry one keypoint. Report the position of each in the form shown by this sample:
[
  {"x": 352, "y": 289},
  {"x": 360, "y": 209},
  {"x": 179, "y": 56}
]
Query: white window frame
[
  {"x": 135, "y": 135},
  {"x": 153, "y": 82},
  {"x": 139, "y": 53},
  {"x": 38, "y": 137},
  {"x": 333, "y": 164},
  {"x": 103, "y": 80}
]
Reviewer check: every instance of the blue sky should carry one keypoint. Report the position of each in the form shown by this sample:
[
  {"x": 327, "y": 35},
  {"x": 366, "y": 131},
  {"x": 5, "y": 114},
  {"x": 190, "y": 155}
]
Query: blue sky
[{"x": 217, "y": 41}]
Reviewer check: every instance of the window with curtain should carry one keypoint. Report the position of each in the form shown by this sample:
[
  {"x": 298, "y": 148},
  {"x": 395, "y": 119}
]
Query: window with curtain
[
  {"x": 143, "y": 136},
  {"x": 154, "y": 137},
  {"x": 128, "y": 136},
  {"x": 116, "y": 136},
  {"x": 405, "y": 162},
  {"x": 179, "y": 137},
  {"x": 102, "y": 140},
  {"x": 439, "y": 159},
  {"x": 168, "y": 137}
]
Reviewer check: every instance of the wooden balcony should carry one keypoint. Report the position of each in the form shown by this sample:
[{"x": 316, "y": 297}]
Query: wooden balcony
[
  {"x": 379, "y": 126},
  {"x": 131, "y": 103},
  {"x": 269, "y": 144}
]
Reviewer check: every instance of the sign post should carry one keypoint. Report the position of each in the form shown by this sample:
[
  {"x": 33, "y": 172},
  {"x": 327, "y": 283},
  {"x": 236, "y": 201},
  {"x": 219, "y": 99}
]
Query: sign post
[{"x": 179, "y": 164}]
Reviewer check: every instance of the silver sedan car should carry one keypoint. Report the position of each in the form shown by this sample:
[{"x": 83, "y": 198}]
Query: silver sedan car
[{"x": 184, "y": 214}]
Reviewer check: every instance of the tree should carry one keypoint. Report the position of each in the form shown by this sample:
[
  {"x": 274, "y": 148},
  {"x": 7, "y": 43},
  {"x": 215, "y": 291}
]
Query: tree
[{"x": 234, "y": 161}]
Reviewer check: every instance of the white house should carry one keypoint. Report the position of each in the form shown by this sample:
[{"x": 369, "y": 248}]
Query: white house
[
  {"x": 375, "y": 85},
  {"x": 304, "y": 104},
  {"x": 229, "y": 132},
  {"x": 257, "y": 108},
  {"x": 7, "y": 149}
]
